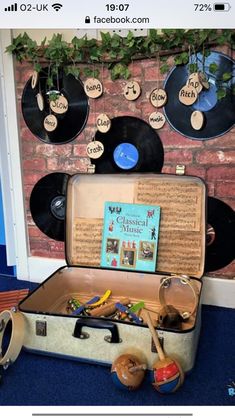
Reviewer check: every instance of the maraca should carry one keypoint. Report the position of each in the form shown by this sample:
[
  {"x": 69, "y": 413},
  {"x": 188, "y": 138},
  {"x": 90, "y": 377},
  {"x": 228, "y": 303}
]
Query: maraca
[
  {"x": 128, "y": 372},
  {"x": 167, "y": 374}
]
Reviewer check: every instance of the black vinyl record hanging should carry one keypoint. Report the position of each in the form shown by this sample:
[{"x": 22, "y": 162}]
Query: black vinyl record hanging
[
  {"x": 47, "y": 204},
  {"x": 130, "y": 145},
  {"x": 219, "y": 115},
  {"x": 69, "y": 124},
  {"x": 220, "y": 242}
]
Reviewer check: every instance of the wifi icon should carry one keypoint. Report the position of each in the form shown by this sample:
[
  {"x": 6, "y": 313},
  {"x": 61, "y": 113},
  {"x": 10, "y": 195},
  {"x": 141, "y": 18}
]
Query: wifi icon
[{"x": 57, "y": 6}]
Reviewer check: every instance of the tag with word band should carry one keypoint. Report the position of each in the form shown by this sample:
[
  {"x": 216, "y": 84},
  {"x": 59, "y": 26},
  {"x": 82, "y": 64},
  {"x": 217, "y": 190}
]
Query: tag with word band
[
  {"x": 157, "y": 120},
  {"x": 188, "y": 95},
  {"x": 103, "y": 123},
  {"x": 93, "y": 88},
  {"x": 34, "y": 79},
  {"x": 197, "y": 120},
  {"x": 50, "y": 123},
  {"x": 132, "y": 90},
  {"x": 40, "y": 101},
  {"x": 95, "y": 149},
  {"x": 60, "y": 105},
  {"x": 158, "y": 97}
]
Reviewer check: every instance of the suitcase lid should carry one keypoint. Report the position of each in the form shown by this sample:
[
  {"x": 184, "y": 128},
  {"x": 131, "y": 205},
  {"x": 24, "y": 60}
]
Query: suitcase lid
[{"x": 182, "y": 232}]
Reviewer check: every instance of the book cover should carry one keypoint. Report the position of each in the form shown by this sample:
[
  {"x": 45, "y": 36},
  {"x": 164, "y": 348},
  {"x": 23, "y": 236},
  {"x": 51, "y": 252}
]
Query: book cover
[{"x": 130, "y": 236}]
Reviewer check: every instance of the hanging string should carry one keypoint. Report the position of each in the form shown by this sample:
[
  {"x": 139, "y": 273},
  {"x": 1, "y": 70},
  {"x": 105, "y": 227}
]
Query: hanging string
[
  {"x": 49, "y": 76},
  {"x": 57, "y": 80},
  {"x": 189, "y": 59},
  {"x": 102, "y": 81},
  {"x": 94, "y": 100},
  {"x": 158, "y": 71}
]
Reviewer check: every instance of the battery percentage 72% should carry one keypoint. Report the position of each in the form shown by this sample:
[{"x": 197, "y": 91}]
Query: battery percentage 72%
[{"x": 200, "y": 7}]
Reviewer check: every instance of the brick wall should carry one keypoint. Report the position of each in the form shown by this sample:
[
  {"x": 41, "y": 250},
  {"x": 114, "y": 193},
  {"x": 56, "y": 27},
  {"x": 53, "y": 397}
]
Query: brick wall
[{"x": 213, "y": 160}]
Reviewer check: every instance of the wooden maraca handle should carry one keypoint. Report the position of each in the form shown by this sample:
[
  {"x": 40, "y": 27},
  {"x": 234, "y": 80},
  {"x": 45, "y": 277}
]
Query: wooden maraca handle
[
  {"x": 109, "y": 308},
  {"x": 155, "y": 337}
]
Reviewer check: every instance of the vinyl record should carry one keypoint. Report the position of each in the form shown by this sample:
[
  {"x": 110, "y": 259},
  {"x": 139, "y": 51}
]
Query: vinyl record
[
  {"x": 219, "y": 114},
  {"x": 47, "y": 204},
  {"x": 71, "y": 123},
  {"x": 130, "y": 145},
  {"x": 220, "y": 248}
]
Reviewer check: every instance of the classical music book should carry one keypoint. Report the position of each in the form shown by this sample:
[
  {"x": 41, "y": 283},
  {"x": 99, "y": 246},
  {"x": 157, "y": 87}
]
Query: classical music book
[{"x": 130, "y": 236}]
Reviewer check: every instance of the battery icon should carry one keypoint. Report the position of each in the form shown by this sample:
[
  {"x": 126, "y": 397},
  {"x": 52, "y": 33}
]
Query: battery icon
[{"x": 222, "y": 7}]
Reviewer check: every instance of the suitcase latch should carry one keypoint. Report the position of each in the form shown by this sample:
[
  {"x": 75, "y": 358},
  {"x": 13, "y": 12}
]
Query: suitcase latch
[
  {"x": 41, "y": 328},
  {"x": 180, "y": 169},
  {"x": 153, "y": 348}
]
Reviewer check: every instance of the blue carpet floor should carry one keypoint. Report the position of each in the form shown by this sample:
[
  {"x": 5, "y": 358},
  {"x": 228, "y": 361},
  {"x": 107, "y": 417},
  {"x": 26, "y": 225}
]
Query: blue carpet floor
[{"x": 38, "y": 380}]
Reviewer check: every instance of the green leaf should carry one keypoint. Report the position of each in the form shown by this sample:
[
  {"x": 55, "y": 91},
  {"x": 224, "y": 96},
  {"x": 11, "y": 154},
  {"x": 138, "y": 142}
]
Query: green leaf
[
  {"x": 227, "y": 76},
  {"x": 213, "y": 68},
  {"x": 75, "y": 71},
  {"x": 120, "y": 71},
  {"x": 106, "y": 38},
  {"x": 153, "y": 34},
  {"x": 53, "y": 96},
  {"x": 193, "y": 68},
  {"x": 50, "y": 82},
  {"x": 221, "y": 93},
  {"x": 37, "y": 67},
  {"x": 164, "y": 68}
]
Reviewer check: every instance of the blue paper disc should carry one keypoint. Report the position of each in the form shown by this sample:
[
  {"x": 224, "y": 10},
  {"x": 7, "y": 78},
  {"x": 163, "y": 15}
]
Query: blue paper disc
[{"x": 126, "y": 156}]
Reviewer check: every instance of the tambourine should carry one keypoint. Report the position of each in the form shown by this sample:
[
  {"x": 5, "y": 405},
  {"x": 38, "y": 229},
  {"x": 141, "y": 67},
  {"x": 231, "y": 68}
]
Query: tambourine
[
  {"x": 17, "y": 336},
  {"x": 169, "y": 316}
]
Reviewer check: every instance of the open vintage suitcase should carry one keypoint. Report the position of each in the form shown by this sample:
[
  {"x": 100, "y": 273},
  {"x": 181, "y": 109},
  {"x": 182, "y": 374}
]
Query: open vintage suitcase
[{"x": 51, "y": 329}]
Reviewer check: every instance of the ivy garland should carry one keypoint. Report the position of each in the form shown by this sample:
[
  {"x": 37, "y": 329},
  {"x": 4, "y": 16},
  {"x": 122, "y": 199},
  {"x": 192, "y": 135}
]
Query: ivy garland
[{"x": 117, "y": 52}]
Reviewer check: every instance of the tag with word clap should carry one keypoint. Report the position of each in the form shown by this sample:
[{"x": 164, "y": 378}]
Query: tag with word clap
[{"x": 103, "y": 123}]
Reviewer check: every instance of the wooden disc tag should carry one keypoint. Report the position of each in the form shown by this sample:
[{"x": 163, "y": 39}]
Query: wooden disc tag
[
  {"x": 59, "y": 105},
  {"x": 95, "y": 149},
  {"x": 50, "y": 123},
  {"x": 34, "y": 79},
  {"x": 197, "y": 120},
  {"x": 40, "y": 101},
  {"x": 203, "y": 80},
  {"x": 188, "y": 95},
  {"x": 158, "y": 97},
  {"x": 132, "y": 90},
  {"x": 93, "y": 88},
  {"x": 103, "y": 123},
  {"x": 157, "y": 120},
  {"x": 194, "y": 81}
]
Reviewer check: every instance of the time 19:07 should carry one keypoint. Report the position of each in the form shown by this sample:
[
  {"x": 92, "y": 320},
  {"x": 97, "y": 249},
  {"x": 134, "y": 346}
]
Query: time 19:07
[{"x": 120, "y": 7}]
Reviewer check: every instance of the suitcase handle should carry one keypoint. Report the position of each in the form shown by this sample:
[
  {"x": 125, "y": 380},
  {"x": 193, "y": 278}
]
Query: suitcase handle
[{"x": 97, "y": 323}]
